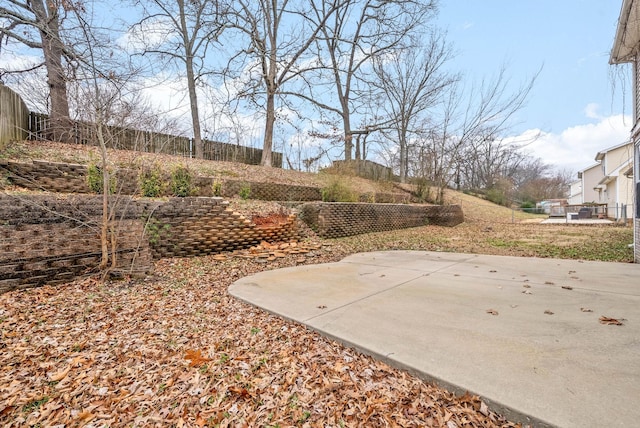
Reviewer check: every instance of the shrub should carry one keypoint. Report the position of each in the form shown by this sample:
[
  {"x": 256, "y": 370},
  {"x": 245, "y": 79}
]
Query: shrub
[
  {"x": 338, "y": 191},
  {"x": 181, "y": 182},
  {"x": 151, "y": 183},
  {"x": 95, "y": 180},
  {"x": 497, "y": 196},
  {"x": 245, "y": 191},
  {"x": 216, "y": 187}
]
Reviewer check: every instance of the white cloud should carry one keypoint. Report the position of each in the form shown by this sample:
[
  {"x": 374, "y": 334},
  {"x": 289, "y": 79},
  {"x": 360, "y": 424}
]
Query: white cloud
[
  {"x": 575, "y": 148},
  {"x": 591, "y": 111}
]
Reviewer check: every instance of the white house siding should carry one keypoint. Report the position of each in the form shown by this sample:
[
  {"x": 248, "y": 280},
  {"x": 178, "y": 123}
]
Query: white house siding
[
  {"x": 575, "y": 193},
  {"x": 590, "y": 178}
]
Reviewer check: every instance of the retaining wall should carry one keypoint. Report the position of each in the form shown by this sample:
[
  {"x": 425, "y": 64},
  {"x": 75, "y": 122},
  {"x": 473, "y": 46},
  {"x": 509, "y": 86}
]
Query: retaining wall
[
  {"x": 48, "y": 239},
  {"x": 72, "y": 178},
  {"x": 336, "y": 220}
]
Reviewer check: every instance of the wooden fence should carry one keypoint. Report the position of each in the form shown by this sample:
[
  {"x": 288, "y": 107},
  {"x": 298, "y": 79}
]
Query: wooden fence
[
  {"x": 14, "y": 116},
  {"x": 150, "y": 142},
  {"x": 17, "y": 123}
]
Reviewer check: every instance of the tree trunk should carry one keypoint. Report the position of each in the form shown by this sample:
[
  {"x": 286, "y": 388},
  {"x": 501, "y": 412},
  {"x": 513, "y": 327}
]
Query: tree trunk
[
  {"x": 348, "y": 136},
  {"x": 60, "y": 123},
  {"x": 191, "y": 84},
  {"x": 403, "y": 160},
  {"x": 195, "y": 116},
  {"x": 268, "y": 130}
]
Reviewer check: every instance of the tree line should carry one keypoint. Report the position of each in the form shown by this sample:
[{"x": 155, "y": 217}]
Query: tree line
[{"x": 364, "y": 78}]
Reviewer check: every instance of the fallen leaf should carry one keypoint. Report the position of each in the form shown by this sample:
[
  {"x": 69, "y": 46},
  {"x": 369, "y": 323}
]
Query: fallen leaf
[
  {"x": 242, "y": 392},
  {"x": 609, "y": 321},
  {"x": 196, "y": 358},
  {"x": 6, "y": 411},
  {"x": 60, "y": 375},
  {"x": 492, "y": 311},
  {"x": 548, "y": 312}
]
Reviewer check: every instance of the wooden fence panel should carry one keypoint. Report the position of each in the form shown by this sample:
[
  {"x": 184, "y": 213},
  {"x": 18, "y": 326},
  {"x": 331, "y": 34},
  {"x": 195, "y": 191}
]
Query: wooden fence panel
[
  {"x": 14, "y": 116},
  {"x": 16, "y": 122}
]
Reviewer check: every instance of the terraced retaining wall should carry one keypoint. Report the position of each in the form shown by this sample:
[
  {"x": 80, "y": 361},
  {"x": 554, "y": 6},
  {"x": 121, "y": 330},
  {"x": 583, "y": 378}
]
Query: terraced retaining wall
[
  {"x": 72, "y": 178},
  {"x": 48, "y": 240},
  {"x": 336, "y": 220}
]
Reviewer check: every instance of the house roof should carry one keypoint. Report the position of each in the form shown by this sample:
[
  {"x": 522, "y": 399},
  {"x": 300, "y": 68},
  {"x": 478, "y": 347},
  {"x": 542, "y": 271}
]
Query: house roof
[
  {"x": 602, "y": 153},
  {"x": 627, "y": 33},
  {"x": 587, "y": 169}
]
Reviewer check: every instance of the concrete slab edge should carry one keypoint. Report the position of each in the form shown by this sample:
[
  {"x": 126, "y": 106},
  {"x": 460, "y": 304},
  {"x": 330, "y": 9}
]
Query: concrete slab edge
[{"x": 511, "y": 414}]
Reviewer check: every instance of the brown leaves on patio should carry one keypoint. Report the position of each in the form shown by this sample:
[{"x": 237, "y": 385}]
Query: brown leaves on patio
[
  {"x": 610, "y": 321},
  {"x": 176, "y": 350}
]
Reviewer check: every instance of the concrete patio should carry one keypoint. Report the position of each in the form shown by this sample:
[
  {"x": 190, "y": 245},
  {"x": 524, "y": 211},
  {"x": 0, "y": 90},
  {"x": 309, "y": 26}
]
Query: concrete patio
[{"x": 523, "y": 333}]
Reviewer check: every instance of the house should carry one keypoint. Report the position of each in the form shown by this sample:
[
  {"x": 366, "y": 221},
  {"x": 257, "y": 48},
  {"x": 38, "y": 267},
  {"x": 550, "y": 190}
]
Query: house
[
  {"x": 590, "y": 178},
  {"x": 575, "y": 193},
  {"x": 616, "y": 185},
  {"x": 626, "y": 49}
]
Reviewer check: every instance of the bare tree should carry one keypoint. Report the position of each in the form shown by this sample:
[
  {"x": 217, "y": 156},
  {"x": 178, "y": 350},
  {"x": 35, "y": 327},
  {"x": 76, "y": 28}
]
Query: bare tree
[
  {"x": 466, "y": 123},
  {"x": 409, "y": 82},
  {"x": 358, "y": 32},
  {"x": 278, "y": 35},
  {"x": 182, "y": 32},
  {"x": 37, "y": 24}
]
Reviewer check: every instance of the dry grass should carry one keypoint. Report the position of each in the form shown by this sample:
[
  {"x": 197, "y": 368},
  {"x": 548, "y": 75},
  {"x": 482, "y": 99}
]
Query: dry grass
[{"x": 27, "y": 151}]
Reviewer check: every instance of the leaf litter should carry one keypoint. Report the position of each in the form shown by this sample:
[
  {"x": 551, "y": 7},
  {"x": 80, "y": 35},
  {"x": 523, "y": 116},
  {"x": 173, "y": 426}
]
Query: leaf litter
[{"x": 176, "y": 349}]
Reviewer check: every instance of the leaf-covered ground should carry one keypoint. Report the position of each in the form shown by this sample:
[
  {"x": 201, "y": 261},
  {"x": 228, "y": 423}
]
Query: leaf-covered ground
[{"x": 175, "y": 349}]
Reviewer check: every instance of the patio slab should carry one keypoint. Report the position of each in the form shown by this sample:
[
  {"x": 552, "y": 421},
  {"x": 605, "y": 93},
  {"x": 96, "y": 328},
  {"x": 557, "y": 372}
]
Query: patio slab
[{"x": 544, "y": 358}]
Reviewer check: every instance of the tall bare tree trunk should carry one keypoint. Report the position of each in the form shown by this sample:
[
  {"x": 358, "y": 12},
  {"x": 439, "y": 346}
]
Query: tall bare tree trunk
[
  {"x": 195, "y": 116},
  {"x": 268, "y": 131},
  {"x": 191, "y": 83},
  {"x": 348, "y": 136},
  {"x": 52, "y": 48},
  {"x": 271, "y": 74}
]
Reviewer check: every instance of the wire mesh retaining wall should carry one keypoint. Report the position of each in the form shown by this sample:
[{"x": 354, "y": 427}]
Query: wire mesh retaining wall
[
  {"x": 150, "y": 142},
  {"x": 340, "y": 219}
]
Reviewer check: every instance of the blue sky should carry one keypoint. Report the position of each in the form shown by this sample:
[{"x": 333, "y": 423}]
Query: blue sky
[{"x": 574, "y": 104}]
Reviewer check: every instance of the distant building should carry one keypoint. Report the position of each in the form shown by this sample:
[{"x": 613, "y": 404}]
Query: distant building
[
  {"x": 575, "y": 193},
  {"x": 626, "y": 49},
  {"x": 590, "y": 178},
  {"x": 616, "y": 185}
]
